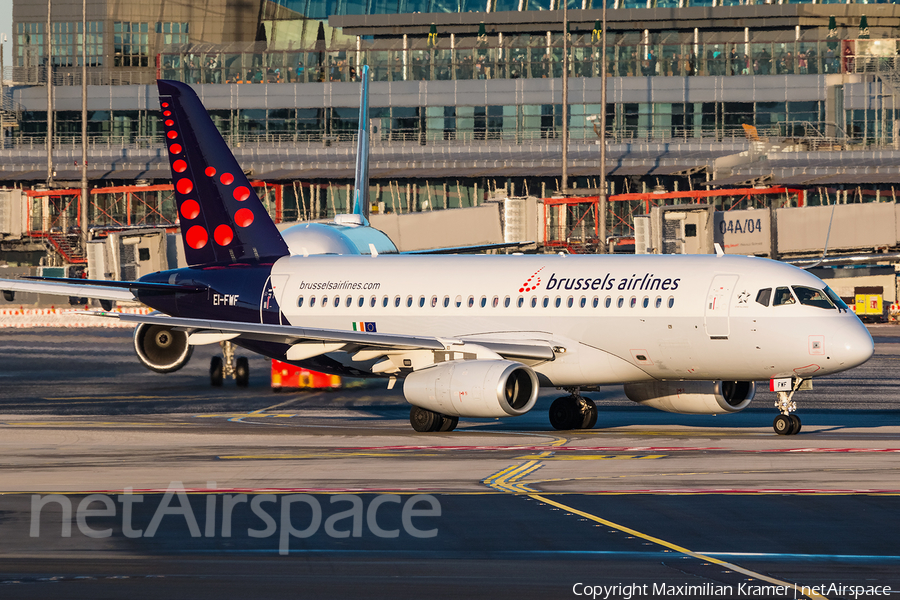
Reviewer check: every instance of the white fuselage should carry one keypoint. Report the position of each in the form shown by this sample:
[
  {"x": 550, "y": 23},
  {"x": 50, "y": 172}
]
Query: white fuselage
[{"x": 612, "y": 319}]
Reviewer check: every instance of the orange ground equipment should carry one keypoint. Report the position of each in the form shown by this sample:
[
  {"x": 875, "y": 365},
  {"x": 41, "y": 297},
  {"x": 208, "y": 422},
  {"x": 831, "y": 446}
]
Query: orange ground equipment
[{"x": 287, "y": 376}]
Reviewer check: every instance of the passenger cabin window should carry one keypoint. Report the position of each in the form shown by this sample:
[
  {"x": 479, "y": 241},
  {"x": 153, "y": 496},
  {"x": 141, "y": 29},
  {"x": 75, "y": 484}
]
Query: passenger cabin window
[
  {"x": 658, "y": 301},
  {"x": 384, "y": 302},
  {"x": 434, "y": 302},
  {"x": 471, "y": 301},
  {"x": 812, "y": 297},
  {"x": 362, "y": 301},
  {"x": 783, "y": 296},
  {"x": 396, "y": 301},
  {"x": 421, "y": 301},
  {"x": 350, "y": 301},
  {"x": 458, "y": 301},
  {"x": 300, "y": 302},
  {"x": 337, "y": 301},
  {"x": 372, "y": 302},
  {"x": 763, "y": 296},
  {"x": 520, "y": 302},
  {"x": 409, "y": 301},
  {"x": 324, "y": 301},
  {"x": 446, "y": 301},
  {"x": 506, "y": 302}
]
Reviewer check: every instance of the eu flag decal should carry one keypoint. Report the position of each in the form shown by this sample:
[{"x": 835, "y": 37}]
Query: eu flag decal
[{"x": 368, "y": 327}]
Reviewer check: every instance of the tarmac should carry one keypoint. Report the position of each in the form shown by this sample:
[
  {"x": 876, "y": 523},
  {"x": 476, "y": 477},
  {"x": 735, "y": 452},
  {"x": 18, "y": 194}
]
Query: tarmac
[{"x": 246, "y": 492}]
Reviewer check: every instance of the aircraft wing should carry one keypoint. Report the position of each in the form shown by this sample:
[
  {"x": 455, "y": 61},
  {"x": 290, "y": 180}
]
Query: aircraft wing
[
  {"x": 67, "y": 289},
  {"x": 288, "y": 334},
  {"x": 101, "y": 289}
]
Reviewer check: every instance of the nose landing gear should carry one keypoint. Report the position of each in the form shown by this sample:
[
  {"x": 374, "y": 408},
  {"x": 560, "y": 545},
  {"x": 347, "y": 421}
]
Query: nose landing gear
[{"x": 787, "y": 423}]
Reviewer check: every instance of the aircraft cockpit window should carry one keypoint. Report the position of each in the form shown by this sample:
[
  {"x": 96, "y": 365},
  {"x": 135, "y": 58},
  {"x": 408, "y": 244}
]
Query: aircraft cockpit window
[
  {"x": 836, "y": 299},
  {"x": 763, "y": 296},
  {"x": 783, "y": 296},
  {"x": 812, "y": 297}
]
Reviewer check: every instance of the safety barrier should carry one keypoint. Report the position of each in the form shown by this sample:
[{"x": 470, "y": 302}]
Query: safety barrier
[{"x": 26, "y": 318}]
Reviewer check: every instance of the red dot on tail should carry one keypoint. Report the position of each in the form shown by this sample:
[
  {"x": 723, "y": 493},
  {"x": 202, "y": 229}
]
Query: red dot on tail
[
  {"x": 184, "y": 186},
  {"x": 241, "y": 193},
  {"x": 175, "y": 148},
  {"x": 190, "y": 209},
  {"x": 169, "y": 122},
  {"x": 243, "y": 217},
  {"x": 172, "y": 135},
  {"x": 180, "y": 166},
  {"x": 196, "y": 237},
  {"x": 223, "y": 235},
  {"x": 227, "y": 178},
  {"x": 521, "y": 290},
  {"x": 167, "y": 113},
  {"x": 165, "y": 105},
  {"x": 210, "y": 171}
]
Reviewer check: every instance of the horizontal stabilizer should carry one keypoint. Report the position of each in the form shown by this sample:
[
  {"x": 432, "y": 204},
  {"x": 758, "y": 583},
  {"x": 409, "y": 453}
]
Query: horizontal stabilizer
[{"x": 130, "y": 285}]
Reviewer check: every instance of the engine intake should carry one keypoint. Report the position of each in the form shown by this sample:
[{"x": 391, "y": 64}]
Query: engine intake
[
  {"x": 474, "y": 388},
  {"x": 693, "y": 397},
  {"x": 160, "y": 348}
]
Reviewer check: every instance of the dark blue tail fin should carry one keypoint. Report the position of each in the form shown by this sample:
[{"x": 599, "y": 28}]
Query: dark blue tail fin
[{"x": 222, "y": 219}]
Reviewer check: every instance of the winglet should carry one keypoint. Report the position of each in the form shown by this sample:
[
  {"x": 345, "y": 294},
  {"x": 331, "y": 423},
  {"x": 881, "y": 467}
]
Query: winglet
[
  {"x": 222, "y": 219},
  {"x": 361, "y": 187}
]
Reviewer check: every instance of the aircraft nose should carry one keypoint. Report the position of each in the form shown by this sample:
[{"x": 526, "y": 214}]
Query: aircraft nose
[{"x": 854, "y": 343}]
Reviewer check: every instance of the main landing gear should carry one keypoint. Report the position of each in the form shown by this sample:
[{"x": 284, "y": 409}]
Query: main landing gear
[
  {"x": 786, "y": 423},
  {"x": 221, "y": 367},
  {"x": 573, "y": 411},
  {"x": 423, "y": 420}
]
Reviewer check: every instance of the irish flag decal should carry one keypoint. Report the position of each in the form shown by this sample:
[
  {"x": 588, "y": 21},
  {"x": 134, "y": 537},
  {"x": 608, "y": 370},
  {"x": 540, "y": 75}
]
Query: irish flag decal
[{"x": 368, "y": 327}]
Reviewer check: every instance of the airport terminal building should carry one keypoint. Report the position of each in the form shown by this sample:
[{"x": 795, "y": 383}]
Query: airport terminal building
[{"x": 466, "y": 100}]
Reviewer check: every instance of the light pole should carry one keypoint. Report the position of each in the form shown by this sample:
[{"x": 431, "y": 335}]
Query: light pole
[
  {"x": 601, "y": 200},
  {"x": 565, "y": 100},
  {"x": 84, "y": 182}
]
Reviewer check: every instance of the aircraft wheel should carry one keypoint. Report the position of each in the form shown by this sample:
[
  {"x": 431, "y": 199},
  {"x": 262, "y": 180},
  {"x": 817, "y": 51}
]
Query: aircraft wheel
[
  {"x": 423, "y": 420},
  {"x": 590, "y": 414},
  {"x": 242, "y": 371},
  {"x": 783, "y": 425},
  {"x": 565, "y": 413},
  {"x": 449, "y": 423},
  {"x": 216, "y": 371},
  {"x": 795, "y": 421}
]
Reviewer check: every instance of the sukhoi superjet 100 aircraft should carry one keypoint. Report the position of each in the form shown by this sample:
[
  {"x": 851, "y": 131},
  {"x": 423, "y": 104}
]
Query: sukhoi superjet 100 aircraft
[{"x": 474, "y": 336}]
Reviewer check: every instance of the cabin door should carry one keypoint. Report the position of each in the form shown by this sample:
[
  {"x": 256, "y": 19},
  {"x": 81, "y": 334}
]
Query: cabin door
[{"x": 718, "y": 305}]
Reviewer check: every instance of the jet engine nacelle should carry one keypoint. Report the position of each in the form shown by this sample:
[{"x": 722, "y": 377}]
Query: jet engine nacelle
[
  {"x": 693, "y": 397},
  {"x": 160, "y": 348},
  {"x": 473, "y": 388}
]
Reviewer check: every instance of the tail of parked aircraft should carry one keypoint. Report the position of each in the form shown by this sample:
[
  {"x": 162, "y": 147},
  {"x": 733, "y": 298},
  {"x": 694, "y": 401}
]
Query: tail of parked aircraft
[
  {"x": 361, "y": 188},
  {"x": 222, "y": 219}
]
